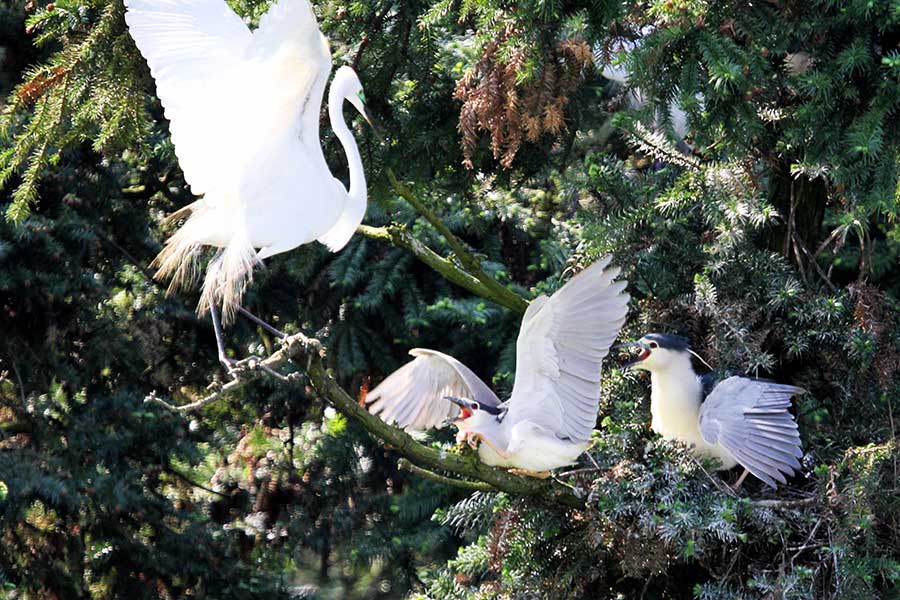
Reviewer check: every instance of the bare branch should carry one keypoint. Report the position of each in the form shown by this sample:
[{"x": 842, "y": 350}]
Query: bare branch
[{"x": 247, "y": 369}]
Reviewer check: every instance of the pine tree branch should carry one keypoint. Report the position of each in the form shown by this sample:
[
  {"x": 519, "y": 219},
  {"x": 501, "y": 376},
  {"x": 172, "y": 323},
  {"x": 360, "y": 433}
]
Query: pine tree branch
[
  {"x": 398, "y": 236},
  {"x": 471, "y": 264},
  {"x": 472, "y": 486},
  {"x": 307, "y": 353}
]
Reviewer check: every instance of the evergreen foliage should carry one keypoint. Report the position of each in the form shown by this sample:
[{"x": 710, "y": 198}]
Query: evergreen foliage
[{"x": 770, "y": 238}]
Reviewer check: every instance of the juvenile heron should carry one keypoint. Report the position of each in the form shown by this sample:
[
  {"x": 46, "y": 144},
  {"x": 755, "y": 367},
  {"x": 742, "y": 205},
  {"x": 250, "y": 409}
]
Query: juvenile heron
[
  {"x": 743, "y": 421},
  {"x": 548, "y": 419}
]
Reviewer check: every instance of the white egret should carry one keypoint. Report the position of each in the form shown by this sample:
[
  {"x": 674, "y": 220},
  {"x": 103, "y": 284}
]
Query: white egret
[
  {"x": 244, "y": 110},
  {"x": 743, "y": 421},
  {"x": 548, "y": 419}
]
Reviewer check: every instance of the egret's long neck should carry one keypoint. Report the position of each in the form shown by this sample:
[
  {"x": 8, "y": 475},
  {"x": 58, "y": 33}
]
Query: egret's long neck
[
  {"x": 354, "y": 160},
  {"x": 675, "y": 399}
]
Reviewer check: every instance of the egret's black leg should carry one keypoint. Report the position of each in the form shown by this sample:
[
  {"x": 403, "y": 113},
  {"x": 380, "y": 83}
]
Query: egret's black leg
[
  {"x": 279, "y": 334},
  {"x": 220, "y": 341}
]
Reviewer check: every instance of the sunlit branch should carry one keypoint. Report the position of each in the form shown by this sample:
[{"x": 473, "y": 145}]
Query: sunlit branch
[{"x": 471, "y": 271}]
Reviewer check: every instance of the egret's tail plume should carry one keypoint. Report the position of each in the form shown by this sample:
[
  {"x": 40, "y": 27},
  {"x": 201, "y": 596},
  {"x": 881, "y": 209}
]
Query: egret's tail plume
[
  {"x": 227, "y": 276},
  {"x": 179, "y": 259}
]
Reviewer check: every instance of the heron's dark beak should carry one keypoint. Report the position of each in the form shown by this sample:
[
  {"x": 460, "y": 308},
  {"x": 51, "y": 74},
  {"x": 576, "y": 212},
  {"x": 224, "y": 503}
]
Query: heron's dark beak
[
  {"x": 645, "y": 352},
  {"x": 465, "y": 409}
]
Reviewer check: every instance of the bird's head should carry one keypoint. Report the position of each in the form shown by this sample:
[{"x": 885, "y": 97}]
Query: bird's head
[
  {"x": 347, "y": 84},
  {"x": 471, "y": 413},
  {"x": 658, "y": 351}
]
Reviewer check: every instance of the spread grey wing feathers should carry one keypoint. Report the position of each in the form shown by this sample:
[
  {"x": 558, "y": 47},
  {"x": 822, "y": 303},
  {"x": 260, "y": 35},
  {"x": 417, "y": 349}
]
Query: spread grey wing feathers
[
  {"x": 412, "y": 397},
  {"x": 750, "y": 419}
]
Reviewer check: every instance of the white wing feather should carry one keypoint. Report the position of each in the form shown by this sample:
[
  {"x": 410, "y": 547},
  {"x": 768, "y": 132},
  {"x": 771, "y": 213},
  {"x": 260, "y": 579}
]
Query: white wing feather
[
  {"x": 560, "y": 349},
  {"x": 226, "y": 91},
  {"x": 413, "y": 395}
]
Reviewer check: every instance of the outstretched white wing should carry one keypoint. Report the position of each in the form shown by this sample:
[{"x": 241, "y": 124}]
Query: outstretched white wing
[
  {"x": 560, "y": 349},
  {"x": 413, "y": 395},
  {"x": 224, "y": 88},
  {"x": 750, "y": 419}
]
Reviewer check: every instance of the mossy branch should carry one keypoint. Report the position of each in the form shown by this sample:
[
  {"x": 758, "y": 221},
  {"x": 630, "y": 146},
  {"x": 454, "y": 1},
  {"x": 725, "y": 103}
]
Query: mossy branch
[
  {"x": 398, "y": 236},
  {"x": 307, "y": 353},
  {"x": 473, "y": 486},
  {"x": 471, "y": 276}
]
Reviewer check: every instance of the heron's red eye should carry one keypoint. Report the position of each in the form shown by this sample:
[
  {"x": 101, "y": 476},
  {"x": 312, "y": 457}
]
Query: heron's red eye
[
  {"x": 654, "y": 345},
  {"x": 475, "y": 406}
]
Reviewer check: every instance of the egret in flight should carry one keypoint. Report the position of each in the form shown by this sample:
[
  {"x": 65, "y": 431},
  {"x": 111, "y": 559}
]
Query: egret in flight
[
  {"x": 244, "y": 111},
  {"x": 743, "y": 421},
  {"x": 548, "y": 419}
]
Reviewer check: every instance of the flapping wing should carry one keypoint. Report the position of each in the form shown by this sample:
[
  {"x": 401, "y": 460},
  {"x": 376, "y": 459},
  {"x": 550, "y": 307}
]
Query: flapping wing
[
  {"x": 750, "y": 419},
  {"x": 222, "y": 87},
  {"x": 194, "y": 49},
  {"x": 560, "y": 349},
  {"x": 298, "y": 61},
  {"x": 413, "y": 396}
]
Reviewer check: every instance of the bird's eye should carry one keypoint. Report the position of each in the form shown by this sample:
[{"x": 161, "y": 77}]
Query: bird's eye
[
  {"x": 654, "y": 345},
  {"x": 475, "y": 406}
]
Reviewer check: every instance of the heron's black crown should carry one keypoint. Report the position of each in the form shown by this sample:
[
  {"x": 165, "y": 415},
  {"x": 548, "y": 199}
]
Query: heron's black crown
[
  {"x": 489, "y": 409},
  {"x": 669, "y": 341}
]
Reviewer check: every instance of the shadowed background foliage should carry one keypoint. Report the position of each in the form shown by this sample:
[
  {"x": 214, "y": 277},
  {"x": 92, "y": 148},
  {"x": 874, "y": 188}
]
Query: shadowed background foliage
[{"x": 769, "y": 236}]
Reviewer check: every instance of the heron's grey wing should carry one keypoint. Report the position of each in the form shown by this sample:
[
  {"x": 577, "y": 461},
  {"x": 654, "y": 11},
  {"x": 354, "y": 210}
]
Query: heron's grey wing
[
  {"x": 412, "y": 397},
  {"x": 750, "y": 419},
  {"x": 194, "y": 49},
  {"x": 560, "y": 350}
]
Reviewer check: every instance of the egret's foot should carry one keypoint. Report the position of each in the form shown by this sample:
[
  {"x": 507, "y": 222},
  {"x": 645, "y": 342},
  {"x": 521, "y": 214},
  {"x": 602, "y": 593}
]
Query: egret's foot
[
  {"x": 473, "y": 439},
  {"x": 527, "y": 473},
  {"x": 236, "y": 368},
  {"x": 232, "y": 367}
]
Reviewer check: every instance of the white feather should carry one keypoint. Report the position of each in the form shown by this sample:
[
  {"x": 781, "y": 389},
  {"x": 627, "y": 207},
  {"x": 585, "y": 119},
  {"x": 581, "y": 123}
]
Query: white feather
[{"x": 244, "y": 117}]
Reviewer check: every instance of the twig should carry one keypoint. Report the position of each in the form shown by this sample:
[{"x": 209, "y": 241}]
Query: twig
[
  {"x": 784, "y": 503},
  {"x": 398, "y": 236},
  {"x": 288, "y": 350},
  {"x": 799, "y": 243},
  {"x": 21, "y": 385},
  {"x": 805, "y": 545},
  {"x": 193, "y": 483},
  {"x": 475, "y": 486},
  {"x": 499, "y": 293},
  {"x": 581, "y": 471},
  {"x": 721, "y": 487}
]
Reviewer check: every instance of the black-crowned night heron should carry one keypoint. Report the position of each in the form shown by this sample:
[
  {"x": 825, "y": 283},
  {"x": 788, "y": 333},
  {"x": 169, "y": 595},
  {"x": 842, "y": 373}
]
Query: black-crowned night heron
[
  {"x": 548, "y": 419},
  {"x": 743, "y": 421}
]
